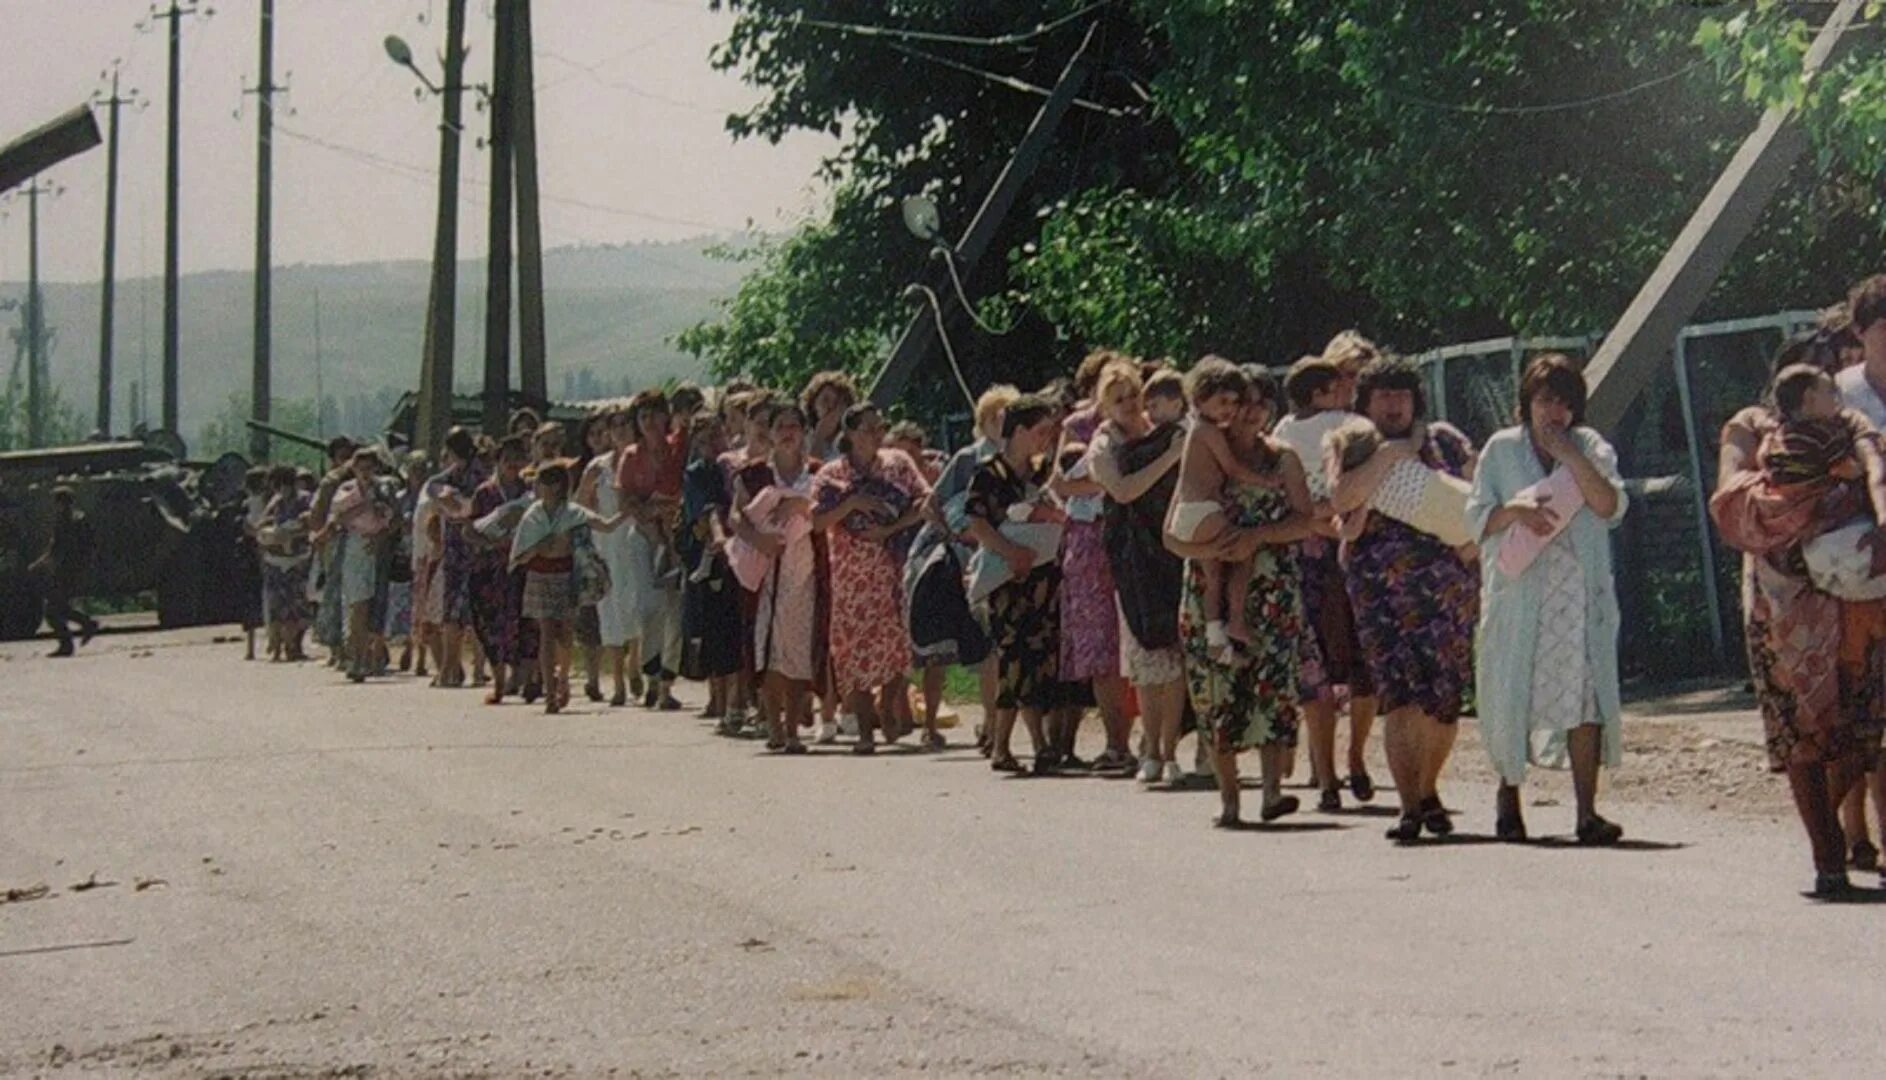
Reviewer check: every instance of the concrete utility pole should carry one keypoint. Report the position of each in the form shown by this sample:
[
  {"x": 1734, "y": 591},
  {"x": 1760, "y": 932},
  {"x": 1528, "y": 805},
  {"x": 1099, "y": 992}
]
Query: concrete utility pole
[
  {"x": 35, "y": 313},
  {"x": 1639, "y": 345},
  {"x": 435, "y": 378},
  {"x": 530, "y": 241},
  {"x": 920, "y": 337},
  {"x": 264, "y": 91},
  {"x": 108, "y": 287},
  {"x": 498, "y": 227},
  {"x": 172, "y": 167}
]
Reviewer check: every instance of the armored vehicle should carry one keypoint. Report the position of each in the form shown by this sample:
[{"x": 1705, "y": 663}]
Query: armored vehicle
[{"x": 160, "y": 526}]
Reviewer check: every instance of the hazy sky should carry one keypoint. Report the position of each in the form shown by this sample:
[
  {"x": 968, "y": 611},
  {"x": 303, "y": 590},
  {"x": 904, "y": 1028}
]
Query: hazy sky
[{"x": 630, "y": 121}]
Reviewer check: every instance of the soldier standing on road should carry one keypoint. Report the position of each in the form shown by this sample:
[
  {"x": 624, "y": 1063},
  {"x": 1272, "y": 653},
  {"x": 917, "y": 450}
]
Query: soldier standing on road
[{"x": 63, "y": 567}]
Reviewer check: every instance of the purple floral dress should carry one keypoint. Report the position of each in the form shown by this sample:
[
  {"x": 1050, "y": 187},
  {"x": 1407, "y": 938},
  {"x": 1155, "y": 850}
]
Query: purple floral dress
[
  {"x": 1090, "y": 619},
  {"x": 497, "y": 592},
  {"x": 458, "y": 558},
  {"x": 1416, "y": 602}
]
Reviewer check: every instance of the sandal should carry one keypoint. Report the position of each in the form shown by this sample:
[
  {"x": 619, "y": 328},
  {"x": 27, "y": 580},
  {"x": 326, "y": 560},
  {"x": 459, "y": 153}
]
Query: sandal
[
  {"x": 1048, "y": 761},
  {"x": 1006, "y": 763},
  {"x": 619, "y": 699},
  {"x": 934, "y": 741},
  {"x": 796, "y": 747},
  {"x": 1361, "y": 786},
  {"x": 592, "y": 691},
  {"x": 1595, "y": 831},
  {"x": 1283, "y": 807},
  {"x": 864, "y": 748},
  {"x": 1831, "y": 884},
  {"x": 1407, "y": 830},
  {"x": 1435, "y": 818}
]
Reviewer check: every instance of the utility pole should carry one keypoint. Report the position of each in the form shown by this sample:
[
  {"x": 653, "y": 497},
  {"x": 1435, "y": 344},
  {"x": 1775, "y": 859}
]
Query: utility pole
[
  {"x": 435, "y": 378},
  {"x": 498, "y": 225},
  {"x": 264, "y": 91},
  {"x": 35, "y": 319},
  {"x": 109, "y": 285},
  {"x": 172, "y": 168},
  {"x": 530, "y": 239}
]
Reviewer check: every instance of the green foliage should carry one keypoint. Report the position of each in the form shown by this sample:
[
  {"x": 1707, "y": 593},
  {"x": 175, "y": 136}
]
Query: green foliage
[
  {"x": 1429, "y": 171},
  {"x": 229, "y": 432},
  {"x": 63, "y": 425}
]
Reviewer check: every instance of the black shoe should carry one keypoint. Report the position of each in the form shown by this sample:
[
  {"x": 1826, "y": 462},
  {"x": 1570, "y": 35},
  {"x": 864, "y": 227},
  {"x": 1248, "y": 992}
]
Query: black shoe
[
  {"x": 60, "y": 653},
  {"x": 1361, "y": 786},
  {"x": 1435, "y": 818},
  {"x": 89, "y": 632},
  {"x": 1407, "y": 830},
  {"x": 1330, "y": 801},
  {"x": 653, "y": 697},
  {"x": 1283, "y": 807},
  {"x": 1827, "y": 886}
]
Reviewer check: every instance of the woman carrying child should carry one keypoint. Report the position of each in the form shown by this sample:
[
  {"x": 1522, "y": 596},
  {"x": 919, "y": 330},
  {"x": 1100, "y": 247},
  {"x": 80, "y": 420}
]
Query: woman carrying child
[
  {"x": 1546, "y": 659},
  {"x": 1814, "y": 668},
  {"x": 1248, "y": 700},
  {"x": 772, "y": 501},
  {"x": 867, "y": 501}
]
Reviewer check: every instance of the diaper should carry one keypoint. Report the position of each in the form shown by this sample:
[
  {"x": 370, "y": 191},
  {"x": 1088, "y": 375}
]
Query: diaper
[{"x": 1188, "y": 516}]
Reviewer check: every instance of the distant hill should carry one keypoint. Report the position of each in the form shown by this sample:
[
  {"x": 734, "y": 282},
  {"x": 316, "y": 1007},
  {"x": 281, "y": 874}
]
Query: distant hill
[{"x": 610, "y": 313}]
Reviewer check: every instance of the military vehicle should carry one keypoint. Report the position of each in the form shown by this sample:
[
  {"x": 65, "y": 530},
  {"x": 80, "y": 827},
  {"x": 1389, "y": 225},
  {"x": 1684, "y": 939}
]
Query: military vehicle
[{"x": 160, "y": 525}]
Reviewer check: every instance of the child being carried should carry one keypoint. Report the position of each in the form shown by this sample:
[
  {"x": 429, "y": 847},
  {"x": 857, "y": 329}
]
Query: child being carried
[{"x": 1426, "y": 499}]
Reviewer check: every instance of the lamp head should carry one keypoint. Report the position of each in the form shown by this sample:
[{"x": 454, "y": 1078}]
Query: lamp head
[
  {"x": 401, "y": 52},
  {"x": 921, "y": 218}
]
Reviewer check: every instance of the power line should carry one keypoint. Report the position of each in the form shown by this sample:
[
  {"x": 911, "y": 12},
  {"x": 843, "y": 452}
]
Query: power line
[
  {"x": 1552, "y": 107},
  {"x": 420, "y": 171},
  {"x": 905, "y": 34},
  {"x": 943, "y": 335},
  {"x": 956, "y": 279},
  {"x": 1009, "y": 81}
]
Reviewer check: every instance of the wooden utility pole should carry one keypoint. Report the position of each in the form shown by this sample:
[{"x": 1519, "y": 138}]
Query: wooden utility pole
[
  {"x": 172, "y": 168},
  {"x": 920, "y": 337},
  {"x": 1639, "y": 345},
  {"x": 435, "y": 380},
  {"x": 109, "y": 286},
  {"x": 264, "y": 91},
  {"x": 530, "y": 241},
  {"x": 498, "y": 258}
]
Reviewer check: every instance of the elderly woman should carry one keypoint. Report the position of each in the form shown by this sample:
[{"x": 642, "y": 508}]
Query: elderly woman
[
  {"x": 868, "y": 500},
  {"x": 1821, "y": 722},
  {"x": 1546, "y": 662},
  {"x": 1416, "y": 600},
  {"x": 1250, "y": 701},
  {"x": 1133, "y": 458}
]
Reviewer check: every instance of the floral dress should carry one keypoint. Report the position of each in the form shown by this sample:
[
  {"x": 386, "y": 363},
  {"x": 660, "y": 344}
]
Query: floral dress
[
  {"x": 1416, "y": 602},
  {"x": 497, "y": 592},
  {"x": 869, "y": 642},
  {"x": 457, "y": 557},
  {"x": 285, "y": 568},
  {"x": 1252, "y": 703},
  {"x": 1025, "y": 615},
  {"x": 1090, "y": 617}
]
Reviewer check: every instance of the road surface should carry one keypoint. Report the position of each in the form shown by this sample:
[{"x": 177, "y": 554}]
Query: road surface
[{"x": 296, "y": 876}]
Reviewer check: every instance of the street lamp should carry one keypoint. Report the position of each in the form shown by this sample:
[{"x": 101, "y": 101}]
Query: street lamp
[{"x": 402, "y": 54}]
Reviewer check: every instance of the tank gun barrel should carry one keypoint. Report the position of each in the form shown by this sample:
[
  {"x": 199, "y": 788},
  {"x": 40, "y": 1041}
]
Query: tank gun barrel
[{"x": 281, "y": 433}]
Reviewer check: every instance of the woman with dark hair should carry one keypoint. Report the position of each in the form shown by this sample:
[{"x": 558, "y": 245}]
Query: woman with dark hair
[
  {"x": 825, "y": 400},
  {"x": 452, "y": 491},
  {"x": 1249, "y": 701},
  {"x": 773, "y": 514},
  {"x": 1025, "y": 611},
  {"x": 1821, "y": 724},
  {"x": 866, "y": 503},
  {"x": 497, "y": 594},
  {"x": 1546, "y": 495},
  {"x": 1415, "y": 599}
]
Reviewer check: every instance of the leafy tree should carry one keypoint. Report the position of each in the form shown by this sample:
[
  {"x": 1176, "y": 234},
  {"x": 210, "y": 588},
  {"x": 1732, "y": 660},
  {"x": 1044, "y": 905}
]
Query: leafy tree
[{"x": 1428, "y": 171}]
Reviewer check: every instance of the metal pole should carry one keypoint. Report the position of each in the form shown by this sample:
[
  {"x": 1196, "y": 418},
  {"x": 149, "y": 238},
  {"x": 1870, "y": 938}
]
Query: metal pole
[
  {"x": 530, "y": 241},
  {"x": 108, "y": 288},
  {"x": 498, "y": 227},
  {"x": 171, "y": 175},
  {"x": 259, "y": 389},
  {"x": 435, "y": 384},
  {"x": 1699, "y": 497},
  {"x": 35, "y": 327}
]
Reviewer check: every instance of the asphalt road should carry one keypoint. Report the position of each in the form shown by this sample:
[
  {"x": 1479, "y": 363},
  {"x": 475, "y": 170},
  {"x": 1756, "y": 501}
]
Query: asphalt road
[{"x": 297, "y": 876}]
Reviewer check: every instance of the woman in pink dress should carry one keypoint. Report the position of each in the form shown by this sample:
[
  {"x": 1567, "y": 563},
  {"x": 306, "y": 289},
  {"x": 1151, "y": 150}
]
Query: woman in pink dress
[
  {"x": 788, "y": 638},
  {"x": 868, "y": 501}
]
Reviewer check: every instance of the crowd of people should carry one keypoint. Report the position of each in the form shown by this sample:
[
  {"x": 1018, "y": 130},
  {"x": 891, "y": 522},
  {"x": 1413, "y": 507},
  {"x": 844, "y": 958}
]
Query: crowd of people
[{"x": 1213, "y": 549}]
